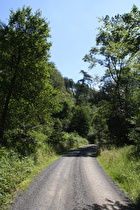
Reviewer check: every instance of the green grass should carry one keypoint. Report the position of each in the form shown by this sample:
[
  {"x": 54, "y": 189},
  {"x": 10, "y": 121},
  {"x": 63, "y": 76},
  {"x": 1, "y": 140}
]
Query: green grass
[{"x": 123, "y": 166}]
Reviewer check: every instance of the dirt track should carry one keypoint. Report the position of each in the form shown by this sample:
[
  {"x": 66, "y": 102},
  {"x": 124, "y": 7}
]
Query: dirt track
[{"x": 74, "y": 182}]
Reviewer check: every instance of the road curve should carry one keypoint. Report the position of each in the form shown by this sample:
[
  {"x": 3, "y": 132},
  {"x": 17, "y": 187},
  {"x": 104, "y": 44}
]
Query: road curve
[{"x": 74, "y": 182}]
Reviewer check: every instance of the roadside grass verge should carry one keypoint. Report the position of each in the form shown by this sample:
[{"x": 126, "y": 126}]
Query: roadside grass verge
[
  {"x": 123, "y": 166},
  {"x": 17, "y": 172}
]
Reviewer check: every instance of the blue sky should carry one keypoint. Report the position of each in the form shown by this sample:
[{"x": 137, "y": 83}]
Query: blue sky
[{"x": 73, "y": 26}]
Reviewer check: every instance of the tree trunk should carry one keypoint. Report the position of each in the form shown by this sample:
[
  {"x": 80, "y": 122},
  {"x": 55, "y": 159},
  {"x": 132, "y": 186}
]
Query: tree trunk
[{"x": 6, "y": 106}]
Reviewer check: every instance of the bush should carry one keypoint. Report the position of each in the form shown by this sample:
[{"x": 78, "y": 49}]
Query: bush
[
  {"x": 20, "y": 141},
  {"x": 13, "y": 171},
  {"x": 69, "y": 141}
]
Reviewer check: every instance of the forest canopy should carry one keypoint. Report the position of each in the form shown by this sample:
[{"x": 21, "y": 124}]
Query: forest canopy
[{"x": 36, "y": 98}]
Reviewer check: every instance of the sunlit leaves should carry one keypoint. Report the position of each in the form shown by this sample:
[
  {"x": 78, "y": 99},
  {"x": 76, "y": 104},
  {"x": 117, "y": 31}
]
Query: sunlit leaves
[
  {"x": 117, "y": 50},
  {"x": 24, "y": 56}
]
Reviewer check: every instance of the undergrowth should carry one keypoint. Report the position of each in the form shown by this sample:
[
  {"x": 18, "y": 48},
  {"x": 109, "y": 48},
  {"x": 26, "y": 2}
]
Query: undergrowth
[
  {"x": 123, "y": 166},
  {"x": 18, "y": 171}
]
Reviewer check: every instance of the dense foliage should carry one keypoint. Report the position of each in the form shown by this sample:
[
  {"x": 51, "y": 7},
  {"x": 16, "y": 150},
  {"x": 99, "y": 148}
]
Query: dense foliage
[
  {"x": 35, "y": 97},
  {"x": 118, "y": 45},
  {"x": 31, "y": 88},
  {"x": 26, "y": 95},
  {"x": 40, "y": 109}
]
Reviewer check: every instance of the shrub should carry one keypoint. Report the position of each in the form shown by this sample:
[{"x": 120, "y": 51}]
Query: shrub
[
  {"x": 20, "y": 141},
  {"x": 70, "y": 141},
  {"x": 13, "y": 171}
]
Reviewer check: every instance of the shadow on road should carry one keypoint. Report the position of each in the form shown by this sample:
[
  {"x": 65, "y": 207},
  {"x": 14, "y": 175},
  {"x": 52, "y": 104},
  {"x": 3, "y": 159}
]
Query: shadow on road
[
  {"x": 111, "y": 205},
  {"x": 88, "y": 151}
]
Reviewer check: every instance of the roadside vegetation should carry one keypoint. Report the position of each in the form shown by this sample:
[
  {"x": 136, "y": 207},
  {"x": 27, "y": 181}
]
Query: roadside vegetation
[
  {"x": 17, "y": 171},
  {"x": 123, "y": 166},
  {"x": 43, "y": 115}
]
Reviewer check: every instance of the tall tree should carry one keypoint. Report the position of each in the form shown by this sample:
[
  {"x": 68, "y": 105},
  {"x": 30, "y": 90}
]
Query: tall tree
[
  {"x": 118, "y": 44},
  {"x": 83, "y": 88},
  {"x": 24, "y": 52}
]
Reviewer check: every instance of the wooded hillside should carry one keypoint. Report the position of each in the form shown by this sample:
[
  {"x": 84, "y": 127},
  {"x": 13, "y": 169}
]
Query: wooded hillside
[
  {"x": 43, "y": 114},
  {"x": 36, "y": 98}
]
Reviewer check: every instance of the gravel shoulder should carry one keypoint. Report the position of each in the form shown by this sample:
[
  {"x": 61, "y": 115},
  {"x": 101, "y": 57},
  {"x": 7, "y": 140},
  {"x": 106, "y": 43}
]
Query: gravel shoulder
[{"x": 74, "y": 182}]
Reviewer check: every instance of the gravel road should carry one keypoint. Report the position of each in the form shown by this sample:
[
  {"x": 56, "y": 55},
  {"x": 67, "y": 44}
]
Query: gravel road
[{"x": 74, "y": 182}]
